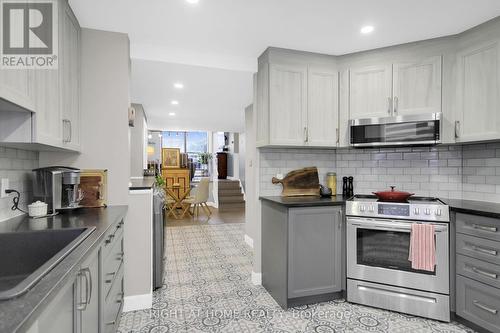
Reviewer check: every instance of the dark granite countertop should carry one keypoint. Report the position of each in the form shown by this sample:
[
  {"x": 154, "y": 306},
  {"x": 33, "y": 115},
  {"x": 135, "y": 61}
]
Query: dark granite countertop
[
  {"x": 483, "y": 208},
  {"x": 309, "y": 201},
  {"x": 20, "y": 313},
  {"x": 141, "y": 183}
]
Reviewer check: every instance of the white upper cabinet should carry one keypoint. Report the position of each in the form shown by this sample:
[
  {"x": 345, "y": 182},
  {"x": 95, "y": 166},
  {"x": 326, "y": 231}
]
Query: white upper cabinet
[
  {"x": 288, "y": 105},
  {"x": 47, "y": 128},
  {"x": 296, "y": 99},
  {"x": 417, "y": 87},
  {"x": 70, "y": 74},
  {"x": 478, "y": 92},
  {"x": 323, "y": 107},
  {"x": 370, "y": 92},
  {"x": 16, "y": 86}
]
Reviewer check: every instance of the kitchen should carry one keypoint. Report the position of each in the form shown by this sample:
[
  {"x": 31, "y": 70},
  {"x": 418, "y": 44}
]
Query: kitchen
[{"x": 418, "y": 112}]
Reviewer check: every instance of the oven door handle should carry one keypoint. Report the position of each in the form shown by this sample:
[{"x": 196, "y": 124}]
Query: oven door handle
[{"x": 391, "y": 225}]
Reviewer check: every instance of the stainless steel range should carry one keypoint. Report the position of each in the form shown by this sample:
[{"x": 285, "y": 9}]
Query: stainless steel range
[{"x": 379, "y": 273}]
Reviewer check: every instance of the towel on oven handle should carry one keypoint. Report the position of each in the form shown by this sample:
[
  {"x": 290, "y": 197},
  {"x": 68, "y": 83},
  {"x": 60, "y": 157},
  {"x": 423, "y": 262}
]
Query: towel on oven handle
[{"x": 422, "y": 247}]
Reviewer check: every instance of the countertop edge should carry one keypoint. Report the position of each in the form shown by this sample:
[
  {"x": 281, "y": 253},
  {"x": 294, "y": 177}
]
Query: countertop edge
[{"x": 84, "y": 250}]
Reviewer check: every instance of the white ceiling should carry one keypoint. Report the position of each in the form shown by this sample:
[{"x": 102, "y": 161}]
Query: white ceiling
[
  {"x": 231, "y": 34},
  {"x": 212, "y": 99}
]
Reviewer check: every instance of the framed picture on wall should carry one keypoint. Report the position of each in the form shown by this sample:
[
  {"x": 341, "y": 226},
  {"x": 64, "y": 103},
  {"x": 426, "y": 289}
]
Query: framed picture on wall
[{"x": 171, "y": 158}]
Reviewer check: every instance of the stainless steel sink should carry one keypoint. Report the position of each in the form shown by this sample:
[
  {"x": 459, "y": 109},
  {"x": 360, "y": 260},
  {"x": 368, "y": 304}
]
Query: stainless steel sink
[{"x": 25, "y": 257}]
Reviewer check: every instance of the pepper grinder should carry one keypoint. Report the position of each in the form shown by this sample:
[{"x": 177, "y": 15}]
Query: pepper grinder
[
  {"x": 351, "y": 186},
  {"x": 345, "y": 188}
]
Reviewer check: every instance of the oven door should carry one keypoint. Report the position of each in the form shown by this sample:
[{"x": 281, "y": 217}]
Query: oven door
[
  {"x": 377, "y": 251},
  {"x": 395, "y": 131}
]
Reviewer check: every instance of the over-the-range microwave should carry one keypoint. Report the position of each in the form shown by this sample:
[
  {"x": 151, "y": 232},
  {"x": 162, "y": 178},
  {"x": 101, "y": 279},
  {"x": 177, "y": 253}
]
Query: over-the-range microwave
[{"x": 408, "y": 130}]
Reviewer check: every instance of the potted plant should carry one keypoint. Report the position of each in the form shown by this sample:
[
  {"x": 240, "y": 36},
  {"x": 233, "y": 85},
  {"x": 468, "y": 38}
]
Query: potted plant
[{"x": 204, "y": 160}]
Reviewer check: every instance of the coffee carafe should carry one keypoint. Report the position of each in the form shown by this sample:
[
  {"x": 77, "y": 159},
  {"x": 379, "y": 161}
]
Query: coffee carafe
[{"x": 58, "y": 187}]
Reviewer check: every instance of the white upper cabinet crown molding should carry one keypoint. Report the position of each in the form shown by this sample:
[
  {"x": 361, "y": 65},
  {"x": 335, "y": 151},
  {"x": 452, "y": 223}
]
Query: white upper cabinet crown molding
[
  {"x": 417, "y": 87},
  {"x": 478, "y": 92},
  {"x": 370, "y": 91}
]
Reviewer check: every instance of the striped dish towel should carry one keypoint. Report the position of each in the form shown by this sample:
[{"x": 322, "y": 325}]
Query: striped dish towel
[{"x": 422, "y": 247}]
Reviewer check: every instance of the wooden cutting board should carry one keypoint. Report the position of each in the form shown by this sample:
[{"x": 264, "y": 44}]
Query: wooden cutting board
[{"x": 301, "y": 182}]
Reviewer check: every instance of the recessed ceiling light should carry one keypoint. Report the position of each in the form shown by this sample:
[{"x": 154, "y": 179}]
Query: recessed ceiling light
[
  {"x": 174, "y": 102},
  {"x": 178, "y": 85},
  {"x": 192, "y": 1},
  {"x": 367, "y": 29},
  {"x": 171, "y": 114}
]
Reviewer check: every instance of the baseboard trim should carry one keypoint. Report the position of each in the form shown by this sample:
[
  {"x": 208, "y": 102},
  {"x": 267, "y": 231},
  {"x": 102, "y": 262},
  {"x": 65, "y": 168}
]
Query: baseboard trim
[
  {"x": 256, "y": 278},
  {"x": 249, "y": 241},
  {"x": 137, "y": 302}
]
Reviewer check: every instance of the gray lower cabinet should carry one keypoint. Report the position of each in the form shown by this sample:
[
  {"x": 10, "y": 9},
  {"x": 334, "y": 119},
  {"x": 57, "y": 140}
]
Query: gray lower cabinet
[
  {"x": 314, "y": 259},
  {"x": 478, "y": 270},
  {"x": 302, "y": 253},
  {"x": 92, "y": 302}
]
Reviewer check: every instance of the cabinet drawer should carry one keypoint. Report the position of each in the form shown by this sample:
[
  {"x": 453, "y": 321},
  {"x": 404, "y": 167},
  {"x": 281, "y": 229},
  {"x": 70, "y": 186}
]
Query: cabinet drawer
[
  {"x": 479, "y": 248},
  {"x": 113, "y": 304},
  {"x": 112, "y": 265},
  {"x": 480, "y": 226},
  {"x": 479, "y": 270},
  {"x": 478, "y": 303},
  {"x": 111, "y": 239}
]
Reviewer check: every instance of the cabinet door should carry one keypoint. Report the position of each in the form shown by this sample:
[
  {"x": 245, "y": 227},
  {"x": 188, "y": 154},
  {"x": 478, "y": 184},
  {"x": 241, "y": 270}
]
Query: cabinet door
[
  {"x": 370, "y": 92},
  {"x": 59, "y": 316},
  {"x": 70, "y": 78},
  {"x": 261, "y": 91},
  {"x": 47, "y": 127},
  {"x": 323, "y": 107},
  {"x": 16, "y": 86},
  {"x": 417, "y": 87},
  {"x": 479, "y": 93},
  {"x": 288, "y": 105},
  {"x": 88, "y": 302},
  {"x": 314, "y": 251}
]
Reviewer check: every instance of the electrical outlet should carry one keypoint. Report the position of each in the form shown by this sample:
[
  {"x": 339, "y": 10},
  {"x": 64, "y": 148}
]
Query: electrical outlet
[{"x": 4, "y": 186}]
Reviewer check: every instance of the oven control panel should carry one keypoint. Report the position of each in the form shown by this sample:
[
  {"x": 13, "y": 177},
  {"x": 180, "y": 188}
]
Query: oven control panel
[{"x": 407, "y": 211}]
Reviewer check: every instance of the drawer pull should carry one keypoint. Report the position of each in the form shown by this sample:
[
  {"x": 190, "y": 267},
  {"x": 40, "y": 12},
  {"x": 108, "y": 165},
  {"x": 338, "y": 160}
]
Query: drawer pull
[
  {"x": 485, "y": 251},
  {"x": 484, "y": 307},
  {"x": 112, "y": 276},
  {"x": 481, "y": 272},
  {"x": 111, "y": 322},
  {"x": 484, "y": 227}
]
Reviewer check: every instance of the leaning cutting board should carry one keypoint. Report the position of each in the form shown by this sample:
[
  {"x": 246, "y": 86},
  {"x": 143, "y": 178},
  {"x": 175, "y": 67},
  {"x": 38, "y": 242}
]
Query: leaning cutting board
[
  {"x": 299, "y": 182},
  {"x": 93, "y": 184}
]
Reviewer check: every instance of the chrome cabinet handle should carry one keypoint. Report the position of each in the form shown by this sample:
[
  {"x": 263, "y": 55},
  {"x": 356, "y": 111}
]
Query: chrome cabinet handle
[
  {"x": 484, "y": 227},
  {"x": 90, "y": 287},
  {"x": 457, "y": 129},
  {"x": 339, "y": 216},
  {"x": 389, "y": 105},
  {"x": 306, "y": 135},
  {"x": 82, "y": 306},
  {"x": 481, "y": 272},
  {"x": 396, "y": 103},
  {"x": 65, "y": 126},
  {"x": 112, "y": 276},
  {"x": 483, "y": 250},
  {"x": 70, "y": 131},
  {"x": 484, "y": 307},
  {"x": 338, "y": 136}
]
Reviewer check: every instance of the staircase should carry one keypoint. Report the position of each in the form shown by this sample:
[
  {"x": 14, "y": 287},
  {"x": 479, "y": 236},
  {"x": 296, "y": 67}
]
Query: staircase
[{"x": 230, "y": 195}]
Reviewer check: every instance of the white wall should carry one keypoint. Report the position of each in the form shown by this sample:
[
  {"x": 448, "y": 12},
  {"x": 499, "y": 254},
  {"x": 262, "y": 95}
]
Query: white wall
[{"x": 105, "y": 101}]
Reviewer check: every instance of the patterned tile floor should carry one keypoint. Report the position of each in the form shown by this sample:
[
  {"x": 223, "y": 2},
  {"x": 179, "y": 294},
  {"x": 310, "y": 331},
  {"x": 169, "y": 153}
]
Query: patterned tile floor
[{"x": 207, "y": 288}]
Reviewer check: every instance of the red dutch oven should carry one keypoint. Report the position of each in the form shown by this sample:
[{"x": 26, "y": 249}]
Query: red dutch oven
[{"x": 393, "y": 196}]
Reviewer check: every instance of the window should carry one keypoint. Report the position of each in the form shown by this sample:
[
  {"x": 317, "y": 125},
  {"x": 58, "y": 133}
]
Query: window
[
  {"x": 174, "y": 140},
  {"x": 191, "y": 142}
]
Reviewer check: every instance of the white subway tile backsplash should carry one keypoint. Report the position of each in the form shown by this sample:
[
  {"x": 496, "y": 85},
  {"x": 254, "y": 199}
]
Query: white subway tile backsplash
[{"x": 469, "y": 172}]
